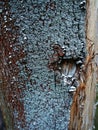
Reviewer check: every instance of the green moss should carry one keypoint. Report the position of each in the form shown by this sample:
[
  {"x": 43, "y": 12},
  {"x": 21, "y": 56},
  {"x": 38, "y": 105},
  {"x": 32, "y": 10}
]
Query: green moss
[{"x": 96, "y": 119}]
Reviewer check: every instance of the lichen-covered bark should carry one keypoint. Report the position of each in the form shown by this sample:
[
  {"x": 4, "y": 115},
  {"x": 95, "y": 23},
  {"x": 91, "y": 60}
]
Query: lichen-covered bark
[
  {"x": 10, "y": 53},
  {"x": 34, "y": 96},
  {"x": 82, "y": 110}
]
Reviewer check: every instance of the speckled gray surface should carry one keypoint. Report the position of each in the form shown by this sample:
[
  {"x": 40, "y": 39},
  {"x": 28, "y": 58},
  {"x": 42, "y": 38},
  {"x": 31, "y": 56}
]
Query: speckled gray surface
[{"x": 41, "y": 24}]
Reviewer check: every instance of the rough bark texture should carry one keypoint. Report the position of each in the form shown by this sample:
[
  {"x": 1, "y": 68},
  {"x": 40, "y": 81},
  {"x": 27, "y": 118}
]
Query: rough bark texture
[
  {"x": 32, "y": 96},
  {"x": 82, "y": 110}
]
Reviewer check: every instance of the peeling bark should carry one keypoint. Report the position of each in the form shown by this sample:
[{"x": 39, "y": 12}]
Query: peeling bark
[{"x": 82, "y": 109}]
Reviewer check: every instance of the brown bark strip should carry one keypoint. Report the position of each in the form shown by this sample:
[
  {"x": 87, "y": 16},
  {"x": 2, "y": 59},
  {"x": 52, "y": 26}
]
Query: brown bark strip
[{"x": 9, "y": 91}]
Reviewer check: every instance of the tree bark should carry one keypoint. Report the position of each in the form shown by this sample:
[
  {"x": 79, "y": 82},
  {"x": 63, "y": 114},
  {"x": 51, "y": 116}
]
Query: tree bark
[
  {"x": 82, "y": 109},
  {"x": 32, "y": 96}
]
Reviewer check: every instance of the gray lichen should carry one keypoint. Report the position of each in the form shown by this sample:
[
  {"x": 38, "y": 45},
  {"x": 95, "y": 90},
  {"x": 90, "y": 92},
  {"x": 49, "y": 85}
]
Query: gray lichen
[{"x": 41, "y": 24}]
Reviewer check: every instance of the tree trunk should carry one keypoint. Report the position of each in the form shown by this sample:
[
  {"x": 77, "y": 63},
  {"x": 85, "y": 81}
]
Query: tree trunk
[
  {"x": 36, "y": 89},
  {"x": 82, "y": 110}
]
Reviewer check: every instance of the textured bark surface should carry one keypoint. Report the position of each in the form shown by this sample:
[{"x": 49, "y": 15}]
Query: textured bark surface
[
  {"x": 82, "y": 110},
  {"x": 32, "y": 96}
]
